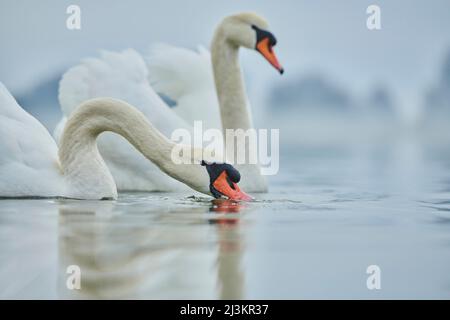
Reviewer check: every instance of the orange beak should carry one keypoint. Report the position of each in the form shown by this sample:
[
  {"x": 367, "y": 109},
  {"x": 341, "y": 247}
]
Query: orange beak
[
  {"x": 230, "y": 189},
  {"x": 266, "y": 50}
]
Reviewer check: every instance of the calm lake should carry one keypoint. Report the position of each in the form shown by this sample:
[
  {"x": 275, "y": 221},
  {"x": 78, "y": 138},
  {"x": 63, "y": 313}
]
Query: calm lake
[{"x": 328, "y": 216}]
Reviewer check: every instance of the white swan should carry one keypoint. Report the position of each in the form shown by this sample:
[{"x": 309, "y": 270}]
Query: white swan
[
  {"x": 188, "y": 77},
  {"x": 32, "y": 166}
]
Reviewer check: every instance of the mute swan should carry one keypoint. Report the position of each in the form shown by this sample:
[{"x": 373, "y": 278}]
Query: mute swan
[
  {"x": 32, "y": 166},
  {"x": 188, "y": 77}
]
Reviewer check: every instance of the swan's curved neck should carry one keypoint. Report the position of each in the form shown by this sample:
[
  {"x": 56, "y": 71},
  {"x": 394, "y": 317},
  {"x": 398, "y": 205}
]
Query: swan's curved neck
[
  {"x": 85, "y": 169},
  {"x": 229, "y": 83}
]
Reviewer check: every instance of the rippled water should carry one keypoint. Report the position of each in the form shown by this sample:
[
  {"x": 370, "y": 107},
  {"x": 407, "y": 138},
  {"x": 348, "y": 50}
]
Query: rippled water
[{"x": 329, "y": 215}]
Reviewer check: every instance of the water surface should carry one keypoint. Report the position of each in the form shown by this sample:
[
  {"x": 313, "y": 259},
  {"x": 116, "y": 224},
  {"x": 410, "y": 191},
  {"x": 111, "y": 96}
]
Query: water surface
[{"x": 329, "y": 215}]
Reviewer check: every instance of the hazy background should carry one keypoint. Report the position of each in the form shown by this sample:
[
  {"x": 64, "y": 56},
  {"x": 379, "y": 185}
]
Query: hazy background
[
  {"x": 343, "y": 82},
  {"x": 364, "y": 119}
]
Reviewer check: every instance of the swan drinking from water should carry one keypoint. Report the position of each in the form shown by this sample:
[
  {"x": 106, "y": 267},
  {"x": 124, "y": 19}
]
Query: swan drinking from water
[
  {"x": 31, "y": 165},
  {"x": 210, "y": 89}
]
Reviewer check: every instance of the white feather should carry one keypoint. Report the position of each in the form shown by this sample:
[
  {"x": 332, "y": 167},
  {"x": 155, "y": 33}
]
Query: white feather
[
  {"x": 28, "y": 154},
  {"x": 32, "y": 166},
  {"x": 122, "y": 75},
  {"x": 186, "y": 76}
]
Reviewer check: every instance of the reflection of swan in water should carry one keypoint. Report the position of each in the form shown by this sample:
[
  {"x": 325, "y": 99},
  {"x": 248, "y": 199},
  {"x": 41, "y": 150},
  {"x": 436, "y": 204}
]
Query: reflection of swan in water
[
  {"x": 145, "y": 254},
  {"x": 230, "y": 274}
]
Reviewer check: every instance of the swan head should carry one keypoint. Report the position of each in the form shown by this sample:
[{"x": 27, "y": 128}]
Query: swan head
[
  {"x": 250, "y": 30},
  {"x": 223, "y": 181}
]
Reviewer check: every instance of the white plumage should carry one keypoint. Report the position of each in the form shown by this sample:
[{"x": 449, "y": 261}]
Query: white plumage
[
  {"x": 186, "y": 76},
  {"x": 122, "y": 76},
  {"x": 32, "y": 166},
  {"x": 29, "y": 162}
]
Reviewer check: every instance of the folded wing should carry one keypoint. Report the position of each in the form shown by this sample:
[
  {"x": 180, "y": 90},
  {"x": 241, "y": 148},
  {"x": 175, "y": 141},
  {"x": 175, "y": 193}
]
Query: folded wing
[
  {"x": 122, "y": 75},
  {"x": 186, "y": 76},
  {"x": 28, "y": 154}
]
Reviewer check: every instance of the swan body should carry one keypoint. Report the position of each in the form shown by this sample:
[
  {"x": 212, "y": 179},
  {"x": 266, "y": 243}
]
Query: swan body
[
  {"x": 32, "y": 165},
  {"x": 206, "y": 87},
  {"x": 29, "y": 163}
]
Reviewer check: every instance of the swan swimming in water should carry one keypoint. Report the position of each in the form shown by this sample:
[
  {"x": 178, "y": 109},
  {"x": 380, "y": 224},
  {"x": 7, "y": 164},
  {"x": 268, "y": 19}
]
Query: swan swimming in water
[
  {"x": 207, "y": 88},
  {"x": 32, "y": 166}
]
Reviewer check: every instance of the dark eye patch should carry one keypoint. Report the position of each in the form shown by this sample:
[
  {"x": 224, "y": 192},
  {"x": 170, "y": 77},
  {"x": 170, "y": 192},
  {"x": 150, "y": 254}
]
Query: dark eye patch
[
  {"x": 215, "y": 169},
  {"x": 262, "y": 34}
]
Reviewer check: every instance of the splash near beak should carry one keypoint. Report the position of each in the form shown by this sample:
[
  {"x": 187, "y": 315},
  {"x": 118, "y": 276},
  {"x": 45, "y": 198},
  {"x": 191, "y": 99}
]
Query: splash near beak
[
  {"x": 225, "y": 186},
  {"x": 266, "y": 49}
]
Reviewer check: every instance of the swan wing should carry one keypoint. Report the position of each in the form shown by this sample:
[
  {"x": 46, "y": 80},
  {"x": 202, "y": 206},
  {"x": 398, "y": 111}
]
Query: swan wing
[
  {"x": 122, "y": 75},
  {"x": 186, "y": 77},
  {"x": 29, "y": 164}
]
